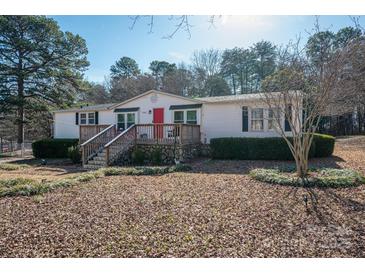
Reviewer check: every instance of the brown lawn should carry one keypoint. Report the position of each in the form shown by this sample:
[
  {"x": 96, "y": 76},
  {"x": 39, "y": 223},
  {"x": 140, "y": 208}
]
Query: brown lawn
[{"x": 214, "y": 211}]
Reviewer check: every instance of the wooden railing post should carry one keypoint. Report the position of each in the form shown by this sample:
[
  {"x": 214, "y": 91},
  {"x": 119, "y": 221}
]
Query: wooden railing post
[
  {"x": 83, "y": 156},
  {"x": 107, "y": 156},
  {"x": 135, "y": 134},
  {"x": 181, "y": 133}
]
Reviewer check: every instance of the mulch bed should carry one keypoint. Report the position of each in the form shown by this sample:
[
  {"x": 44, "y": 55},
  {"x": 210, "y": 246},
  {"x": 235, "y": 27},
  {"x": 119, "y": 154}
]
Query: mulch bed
[{"x": 214, "y": 211}]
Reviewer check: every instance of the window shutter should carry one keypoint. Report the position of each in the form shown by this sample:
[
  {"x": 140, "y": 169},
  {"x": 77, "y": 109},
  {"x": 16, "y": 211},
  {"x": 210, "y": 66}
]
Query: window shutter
[
  {"x": 244, "y": 118},
  {"x": 76, "y": 118},
  {"x": 96, "y": 118},
  {"x": 287, "y": 124}
]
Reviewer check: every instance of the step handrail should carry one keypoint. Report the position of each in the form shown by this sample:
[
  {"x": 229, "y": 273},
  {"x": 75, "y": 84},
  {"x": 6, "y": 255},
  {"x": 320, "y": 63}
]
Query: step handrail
[
  {"x": 97, "y": 135},
  {"x": 117, "y": 138},
  {"x": 92, "y": 146}
]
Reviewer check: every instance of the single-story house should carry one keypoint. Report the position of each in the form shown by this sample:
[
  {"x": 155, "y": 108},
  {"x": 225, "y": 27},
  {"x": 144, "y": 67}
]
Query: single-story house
[{"x": 167, "y": 118}]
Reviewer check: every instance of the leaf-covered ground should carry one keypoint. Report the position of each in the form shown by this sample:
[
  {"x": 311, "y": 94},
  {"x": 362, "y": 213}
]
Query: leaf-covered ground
[{"x": 216, "y": 210}]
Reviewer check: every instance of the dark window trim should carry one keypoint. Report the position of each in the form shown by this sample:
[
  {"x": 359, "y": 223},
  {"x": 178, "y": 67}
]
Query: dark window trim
[
  {"x": 244, "y": 119},
  {"x": 190, "y": 106},
  {"x": 126, "y": 109}
]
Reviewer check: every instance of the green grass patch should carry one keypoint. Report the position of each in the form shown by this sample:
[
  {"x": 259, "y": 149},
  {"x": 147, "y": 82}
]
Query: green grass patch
[
  {"x": 326, "y": 177},
  {"x": 9, "y": 167}
]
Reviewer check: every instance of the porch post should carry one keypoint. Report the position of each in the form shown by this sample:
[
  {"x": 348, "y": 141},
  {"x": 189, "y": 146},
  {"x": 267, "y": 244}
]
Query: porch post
[
  {"x": 83, "y": 155},
  {"x": 107, "y": 155},
  {"x": 181, "y": 132}
]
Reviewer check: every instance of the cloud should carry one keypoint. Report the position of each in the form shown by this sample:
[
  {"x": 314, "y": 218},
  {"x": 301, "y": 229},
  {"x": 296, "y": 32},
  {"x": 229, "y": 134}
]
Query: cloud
[
  {"x": 247, "y": 22},
  {"x": 178, "y": 56}
]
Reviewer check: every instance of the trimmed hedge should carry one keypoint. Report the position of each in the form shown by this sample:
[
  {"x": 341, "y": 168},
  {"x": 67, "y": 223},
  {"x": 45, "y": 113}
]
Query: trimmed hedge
[
  {"x": 274, "y": 148},
  {"x": 325, "y": 144},
  {"x": 53, "y": 148}
]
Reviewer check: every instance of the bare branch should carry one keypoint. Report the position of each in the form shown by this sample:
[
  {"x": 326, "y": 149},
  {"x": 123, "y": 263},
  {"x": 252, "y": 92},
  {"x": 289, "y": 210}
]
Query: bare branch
[
  {"x": 183, "y": 24},
  {"x": 134, "y": 21}
]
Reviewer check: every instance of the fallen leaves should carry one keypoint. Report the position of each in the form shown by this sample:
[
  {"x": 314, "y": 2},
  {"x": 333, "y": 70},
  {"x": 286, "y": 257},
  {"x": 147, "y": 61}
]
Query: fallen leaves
[{"x": 215, "y": 210}]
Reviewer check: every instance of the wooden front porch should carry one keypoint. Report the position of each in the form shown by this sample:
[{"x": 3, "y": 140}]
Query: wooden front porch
[
  {"x": 150, "y": 133},
  {"x": 111, "y": 143}
]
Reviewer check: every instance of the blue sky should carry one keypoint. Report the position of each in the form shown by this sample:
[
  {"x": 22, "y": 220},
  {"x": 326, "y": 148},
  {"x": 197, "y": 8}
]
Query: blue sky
[{"x": 110, "y": 38}]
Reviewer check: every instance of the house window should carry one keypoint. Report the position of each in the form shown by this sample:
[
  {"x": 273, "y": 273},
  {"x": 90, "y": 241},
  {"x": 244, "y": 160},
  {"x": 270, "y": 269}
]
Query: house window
[
  {"x": 188, "y": 117},
  {"x": 179, "y": 117},
  {"x": 87, "y": 118},
  {"x": 91, "y": 118},
  {"x": 83, "y": 120},
  {"x": 125, "y": 120},
  {"x": 191, "y": 117},
  {"x": 131, "y": 119},
  {"x": 121, "y": 121},
  {"x": 257, "y": 119},
  {"x": 273, "y": 119}
]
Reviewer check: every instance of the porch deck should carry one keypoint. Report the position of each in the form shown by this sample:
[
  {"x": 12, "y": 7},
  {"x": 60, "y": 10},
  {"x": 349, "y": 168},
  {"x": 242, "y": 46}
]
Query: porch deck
[
  {"x": 109, "y": 144},
  {"x": 151, "y": 133}
]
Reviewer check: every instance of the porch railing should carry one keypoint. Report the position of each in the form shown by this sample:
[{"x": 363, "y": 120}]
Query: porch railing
[
  {"x": 97, "y": 143},
  {"x": 115, "y": 143},
  {"x": 89, "y": 131},
  {"x": 167, "y": 134}
]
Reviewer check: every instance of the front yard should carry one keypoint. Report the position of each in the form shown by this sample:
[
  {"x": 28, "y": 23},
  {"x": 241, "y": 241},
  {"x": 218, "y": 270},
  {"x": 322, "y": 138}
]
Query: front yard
[{"x": 215, "y": 210}]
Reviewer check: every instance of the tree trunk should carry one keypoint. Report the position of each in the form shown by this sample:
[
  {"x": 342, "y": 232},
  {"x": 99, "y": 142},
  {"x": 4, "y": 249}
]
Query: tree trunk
[
  {"x": 234, "y": 84},
  {"x": 302, "y": 166},
  {"x": 20, "y": 112},
  {"x": 241, "y": 81},
  {"x": 20, "y": 126}
]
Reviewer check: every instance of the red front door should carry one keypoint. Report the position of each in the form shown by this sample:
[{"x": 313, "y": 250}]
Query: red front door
[{"x": 158, "y": 119}]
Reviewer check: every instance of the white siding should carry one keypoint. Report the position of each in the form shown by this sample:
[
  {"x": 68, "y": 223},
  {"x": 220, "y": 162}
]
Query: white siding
[
  {"x": 216, "y": 119},
  {"x": 225, "y": 120},
  {"x": 147, "y": 104},
  {"x": 106, "y": 117},
  {"x": 64, "y": 125}
]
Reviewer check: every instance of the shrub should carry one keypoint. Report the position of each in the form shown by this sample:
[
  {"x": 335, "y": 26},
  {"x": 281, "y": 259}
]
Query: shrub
[
  {"x": 52, "y": 148},
  {"x": 328, "y": 177},
  {"x": 29, "y": 187},
  {"x": 266, "y": 148},
  {"x": 180, "y": 168},
  {"x": 137, "y": 171},
  {"x": 252, "y": 149},
  {"x": 86, "y": 177},
  {"x": 138, "y": 157},
  {"x": 74, "y": 154},
  {"x": 156, "y": 156},
  {"x": 21, "y": 186},
  {"x": 325, "y": 145}
]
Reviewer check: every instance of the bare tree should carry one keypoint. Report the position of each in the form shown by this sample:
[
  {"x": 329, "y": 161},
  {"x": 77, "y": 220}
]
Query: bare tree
[
  {"x": 301, "y": 92},
  {"x": 208, "y": 60}
]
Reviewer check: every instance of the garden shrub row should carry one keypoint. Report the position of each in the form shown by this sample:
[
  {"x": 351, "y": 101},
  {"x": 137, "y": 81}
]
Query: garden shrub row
[
  {"x": 53, "y": 148},
  {"x": 325, "y": 145},
  {"x": 139, "y": 157},
  {"x": 274, "y": 148}
]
